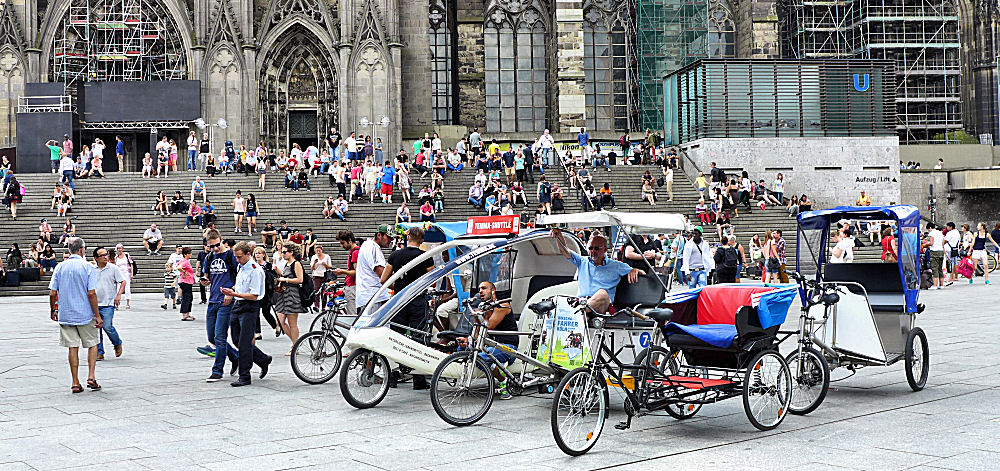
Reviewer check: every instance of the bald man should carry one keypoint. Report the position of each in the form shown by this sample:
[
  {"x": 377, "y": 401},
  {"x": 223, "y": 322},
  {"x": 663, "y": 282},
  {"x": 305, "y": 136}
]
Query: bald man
[{"x": 598, "y": 275}]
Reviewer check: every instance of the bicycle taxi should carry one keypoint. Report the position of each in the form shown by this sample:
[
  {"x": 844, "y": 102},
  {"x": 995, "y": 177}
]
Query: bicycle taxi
[{"x": 856, "y": 314}]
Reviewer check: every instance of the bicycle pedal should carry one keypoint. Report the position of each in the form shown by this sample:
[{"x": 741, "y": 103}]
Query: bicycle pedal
[{"x": 622, "y": 426}]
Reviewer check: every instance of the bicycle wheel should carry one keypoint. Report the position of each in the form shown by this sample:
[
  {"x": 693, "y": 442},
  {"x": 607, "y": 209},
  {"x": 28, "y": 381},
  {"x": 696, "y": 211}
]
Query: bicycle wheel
[
  {"x": 992, "y": 261},
  {"x": 317, "y": 322},
  {"x": 579, "y": 409},
  {"x": 767, "y": 390},
  {"x": 918, "y": 359},
  {"x": 462, "y": 389},
  {"x": 316, "y": 357},
  {"x": 364, "y": 380},
  {"x": 810, "y": 380}
]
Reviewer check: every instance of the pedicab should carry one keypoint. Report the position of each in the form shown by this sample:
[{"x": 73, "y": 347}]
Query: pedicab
[
  {"x": 521, "y": 266},
  {"x": 856, "y": 314},
  {"x": 552, "y": 329}
]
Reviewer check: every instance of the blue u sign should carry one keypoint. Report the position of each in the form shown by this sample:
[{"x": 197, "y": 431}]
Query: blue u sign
[{"x": 857, "y": 83}]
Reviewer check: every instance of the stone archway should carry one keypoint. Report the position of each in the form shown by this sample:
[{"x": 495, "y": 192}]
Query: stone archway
[{"x": 297, "y": 77}]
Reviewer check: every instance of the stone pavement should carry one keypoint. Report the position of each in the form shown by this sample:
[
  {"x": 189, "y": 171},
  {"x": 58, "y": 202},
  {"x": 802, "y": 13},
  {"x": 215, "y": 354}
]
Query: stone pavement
[{"x": 156, "y": 411}]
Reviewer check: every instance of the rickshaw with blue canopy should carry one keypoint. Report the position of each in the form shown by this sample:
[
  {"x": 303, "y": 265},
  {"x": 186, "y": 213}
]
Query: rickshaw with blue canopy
[{"x": 856, "y": 314}]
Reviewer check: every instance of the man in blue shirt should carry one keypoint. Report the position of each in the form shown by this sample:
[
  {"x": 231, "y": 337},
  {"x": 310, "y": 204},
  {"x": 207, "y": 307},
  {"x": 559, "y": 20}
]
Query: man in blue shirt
[
  {"x": 74, "y": 286},
  {"x": 244, "y": 297},
  {"x": 219, "y": 270},
  {"x": 120, "y": 153},
  {"x": 598, "y": 275},
  {"x": 388, "y": 179},
  {"x": 583, "y": 138}
]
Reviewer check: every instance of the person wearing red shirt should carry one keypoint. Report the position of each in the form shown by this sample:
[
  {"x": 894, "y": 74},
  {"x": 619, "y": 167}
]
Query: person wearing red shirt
[{"x": 349, "y": 244}]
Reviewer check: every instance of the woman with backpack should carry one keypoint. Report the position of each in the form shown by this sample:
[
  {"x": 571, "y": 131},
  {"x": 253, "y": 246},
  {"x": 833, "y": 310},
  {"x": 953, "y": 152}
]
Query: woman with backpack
[
  {"x": 260, "y": 256},
  {"x": 13, "y": 195},
  {"x": 287, "y": 302}
]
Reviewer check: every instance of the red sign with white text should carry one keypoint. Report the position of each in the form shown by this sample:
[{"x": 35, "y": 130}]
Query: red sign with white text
[{"x": 485, "y": 225}]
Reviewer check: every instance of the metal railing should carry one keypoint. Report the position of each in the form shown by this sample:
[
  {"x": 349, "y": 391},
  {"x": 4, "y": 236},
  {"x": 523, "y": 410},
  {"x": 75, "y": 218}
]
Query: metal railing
[{"x": 44, "y": 104}]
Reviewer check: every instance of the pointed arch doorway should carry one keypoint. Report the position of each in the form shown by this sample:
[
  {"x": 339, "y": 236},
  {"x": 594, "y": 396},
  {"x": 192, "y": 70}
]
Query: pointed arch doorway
[{"x": 298, "y": 91}]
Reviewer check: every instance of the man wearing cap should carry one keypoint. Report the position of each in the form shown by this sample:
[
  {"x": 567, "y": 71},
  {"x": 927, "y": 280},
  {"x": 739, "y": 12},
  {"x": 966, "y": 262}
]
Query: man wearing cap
[
  {"x": 244, "y": 297},
  {"x": 598, "y": 275},
  {"x": 371, "y": 263}
]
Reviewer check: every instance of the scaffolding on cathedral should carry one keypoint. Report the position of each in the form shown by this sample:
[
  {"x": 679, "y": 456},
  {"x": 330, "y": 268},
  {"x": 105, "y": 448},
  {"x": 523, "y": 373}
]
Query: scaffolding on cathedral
[
  {"x": 114, "y": 40},
  {"x": 671, "y": 34},
  {"x": 921, "y": 36}
]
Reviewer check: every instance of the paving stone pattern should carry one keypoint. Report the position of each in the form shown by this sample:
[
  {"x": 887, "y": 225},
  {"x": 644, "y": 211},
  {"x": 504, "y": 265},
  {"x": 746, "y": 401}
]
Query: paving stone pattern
[{"x": 156, "y": 411}]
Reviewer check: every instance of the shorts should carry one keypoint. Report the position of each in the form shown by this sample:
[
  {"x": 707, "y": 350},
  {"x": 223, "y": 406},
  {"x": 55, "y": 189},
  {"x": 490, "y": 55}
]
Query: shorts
[
  {"x": 238, "y": 213},
  {"x": 251, "y": 214},
  {"x": 386, "y": 189},
  {"x": 508, "y": 170},
  {"x": 979, "y": 255},
  {"x": 501, "y": 355},
  {"x": 261, "y": 171},
  {"x": 937, "y": 263},
  {"x": 79, "y": 336},
  {"x": 170, "y": 293}
]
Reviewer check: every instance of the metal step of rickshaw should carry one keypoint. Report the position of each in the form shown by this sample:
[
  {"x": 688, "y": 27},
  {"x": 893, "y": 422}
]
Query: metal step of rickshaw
[{"x": 691, "y": 382}]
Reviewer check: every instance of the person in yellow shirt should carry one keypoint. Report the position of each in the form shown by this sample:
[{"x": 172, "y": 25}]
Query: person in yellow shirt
[
  {"x": 863, "y": 199},
  {"x": 494, "y": 148},
  {"x": 701, "y": 184}
]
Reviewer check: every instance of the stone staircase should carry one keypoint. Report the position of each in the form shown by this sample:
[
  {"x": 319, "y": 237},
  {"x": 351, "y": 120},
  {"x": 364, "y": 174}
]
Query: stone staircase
[{"x": 117, "y": 209}]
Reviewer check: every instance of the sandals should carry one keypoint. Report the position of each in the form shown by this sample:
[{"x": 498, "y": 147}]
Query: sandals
[
  {"x": 92, "y": 384},
  {"x": 187, "y": 318},
  {"x": 77, "y": 389}
]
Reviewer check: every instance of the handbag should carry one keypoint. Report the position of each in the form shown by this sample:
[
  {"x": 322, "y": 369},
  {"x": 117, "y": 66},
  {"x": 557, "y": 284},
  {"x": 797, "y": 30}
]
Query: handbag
[{"x": 965, "y": 268}]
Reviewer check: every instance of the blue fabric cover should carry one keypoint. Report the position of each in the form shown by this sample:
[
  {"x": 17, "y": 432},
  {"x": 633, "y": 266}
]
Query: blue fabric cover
[{"x": 718, "y": 335}]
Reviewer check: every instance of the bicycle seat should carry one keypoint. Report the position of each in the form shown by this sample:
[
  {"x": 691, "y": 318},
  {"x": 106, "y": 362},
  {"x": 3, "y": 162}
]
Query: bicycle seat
[
  {"x": 543, "y": 306},
  {"x": 452, "y": 334},
  {"x": 626, "y": 321},
  {"x": 661, "y": 314}
]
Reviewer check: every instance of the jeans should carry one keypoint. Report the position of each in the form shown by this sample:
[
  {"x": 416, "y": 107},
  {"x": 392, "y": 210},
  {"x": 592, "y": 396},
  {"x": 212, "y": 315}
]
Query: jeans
[
  {"x": 545, "y": 155},
  {"x": 190, "y": 219},
  {"x": 68, "y": 178},
  {"x": 192, "y": 162},
  {"x": 340, "y": 215},
  {"x": 697, "y": 279},
  {"x": 217, "y": 324},
  {"x": 439, "y": 206},
  {"x": 602, "y": 162},
  {"x": 244, "y": 317},
  {"x": 475, "y": 201},
  {"x": 456, "y": 168},
  {"x": 108, "y": 316}
]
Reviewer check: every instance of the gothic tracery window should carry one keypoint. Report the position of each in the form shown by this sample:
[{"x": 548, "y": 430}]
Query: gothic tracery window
[
  {"x": 607, "y": 67},
  {"x": 516, "y": 68},
  {"x": 441, "y": 37},
  {"x": 721, "y": 30}
]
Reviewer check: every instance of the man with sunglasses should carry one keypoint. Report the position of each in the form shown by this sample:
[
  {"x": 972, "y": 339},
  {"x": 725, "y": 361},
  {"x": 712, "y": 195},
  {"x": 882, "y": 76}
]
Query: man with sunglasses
[
  {"x": 598, "y": 275},
  {"x": 219, "y": 271},
  {"x": 110, "y": 286}
]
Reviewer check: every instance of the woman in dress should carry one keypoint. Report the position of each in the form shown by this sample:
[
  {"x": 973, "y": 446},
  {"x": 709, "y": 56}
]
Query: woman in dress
[
  {"x": 161, "y": 204},
  {"x": 287, "y": 304},
  {"x": 124, "y": 263},
  {"x": 173, "y": 155},
  {"x": 378, "y": 151},
  {"x": 239, "y": 210}
]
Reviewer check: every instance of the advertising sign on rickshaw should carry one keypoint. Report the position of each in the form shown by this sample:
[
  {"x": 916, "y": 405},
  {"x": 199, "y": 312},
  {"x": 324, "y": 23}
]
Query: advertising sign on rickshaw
[
  {"x": 488, "y": 225},
  {"x": 564, "y": 338}
]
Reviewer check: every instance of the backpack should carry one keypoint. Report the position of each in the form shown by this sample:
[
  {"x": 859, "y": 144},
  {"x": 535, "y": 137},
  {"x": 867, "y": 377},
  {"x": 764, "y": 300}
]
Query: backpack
[
  {"x": 546, "y": 189},
  {"x": 731, "y": 258},
  {"x": 135, "y": 267},
  {"x": 305, "y": 290}
]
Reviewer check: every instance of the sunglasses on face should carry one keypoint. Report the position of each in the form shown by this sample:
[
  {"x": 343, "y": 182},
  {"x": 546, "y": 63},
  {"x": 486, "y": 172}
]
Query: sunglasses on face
[
  {"x": 215, "y": 245},
  {"x": 596, "y": 249}
]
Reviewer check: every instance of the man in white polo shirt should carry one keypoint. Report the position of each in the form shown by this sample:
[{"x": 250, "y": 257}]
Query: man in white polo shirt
[{"x": 371, "y": 262}]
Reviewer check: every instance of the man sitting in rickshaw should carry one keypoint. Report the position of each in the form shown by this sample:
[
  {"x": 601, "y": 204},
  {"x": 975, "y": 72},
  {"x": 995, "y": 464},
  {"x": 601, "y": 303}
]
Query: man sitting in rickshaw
[
  {"x": 500, "y": 318},
  {"x": 598, "y": 275}
]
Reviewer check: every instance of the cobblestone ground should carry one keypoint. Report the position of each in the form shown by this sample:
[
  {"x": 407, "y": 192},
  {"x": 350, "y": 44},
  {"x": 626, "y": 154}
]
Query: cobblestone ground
[{"x": 156, "y": 411}]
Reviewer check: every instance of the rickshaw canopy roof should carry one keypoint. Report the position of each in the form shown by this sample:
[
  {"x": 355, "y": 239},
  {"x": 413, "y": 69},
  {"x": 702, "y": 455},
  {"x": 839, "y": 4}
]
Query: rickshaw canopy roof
[
  {"x": 905, "y": 215},
  {"x": 634, "y": 223}
]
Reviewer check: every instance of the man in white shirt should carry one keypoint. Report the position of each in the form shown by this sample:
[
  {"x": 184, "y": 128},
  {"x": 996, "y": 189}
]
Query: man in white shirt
[
  {"x": 340, "y": 208},
  {"x": 952, "y": 242},
  {"x": 545, "y": 143},
  {"x": 935, "y": 248},
  {"x": 843, "y": 252},
  {"x": 436, "y": 143},
  {"x": 66, "y": 166},
  {"x": 371, "y": 262},
  {"x": 338, "y": 175},
  {"x": 153, "y": 240},
  {"x": 352, "y": 147},
  {"x": 193, "y": 145},
  {"x": 98, "y": 148}
]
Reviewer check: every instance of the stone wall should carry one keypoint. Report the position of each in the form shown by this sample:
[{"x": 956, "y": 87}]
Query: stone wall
[
  {"x": 569, "y": 64},
  {"x": 416, "y": 69},
  {"x": 955, "y": 206},
  {"x": 757, "y": 29},
  {"x": 954, "y": 155},
  {"x": 471, "y": 65},
  {"x": 831, "y": 171}
]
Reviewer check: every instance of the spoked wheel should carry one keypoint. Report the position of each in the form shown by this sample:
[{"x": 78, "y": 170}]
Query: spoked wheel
[
  {"x": 579, "y": 409},
  {"x": 364, "y": 380},
  {"x": 810, "y": 380},
  {"x": 918, "y": 359},
  {"x": 767, "y": 390},
  {"x": 667, "y": 363},
  {"x": 316, "y": 357},
  {"x": 462, "y": 389}
]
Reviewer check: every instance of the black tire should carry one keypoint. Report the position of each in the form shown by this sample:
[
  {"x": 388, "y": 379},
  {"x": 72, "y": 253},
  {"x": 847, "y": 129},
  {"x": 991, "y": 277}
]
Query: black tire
[
  {"x": 474, "y": 380},
  {"x": 569, "y": 401},
  {"x": 365, "y": 371},
  {"x": 767, "y": 379},
  {"x": 317, "y": 322},
  {"x": 810, "y": 383},
  {"x": 316, "y": 357},
  {"x": 918, "y": 359}
]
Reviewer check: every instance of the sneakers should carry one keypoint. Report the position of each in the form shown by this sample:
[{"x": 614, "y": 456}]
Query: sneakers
[
  {"x": 207, "y": 350},
  {"x": 213, "y": 379},
  {"x": 502, "y": 391},
  {"x": 970, "y": 281},
  {"x": 163, "y": 306}
]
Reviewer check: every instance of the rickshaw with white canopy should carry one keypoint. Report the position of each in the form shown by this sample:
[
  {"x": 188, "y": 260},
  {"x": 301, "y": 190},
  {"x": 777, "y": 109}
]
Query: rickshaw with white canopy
[{"x": 856, "y": 314}]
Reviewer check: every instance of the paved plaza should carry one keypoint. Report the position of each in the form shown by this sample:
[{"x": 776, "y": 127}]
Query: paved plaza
[{"x": 157, "y": 412}]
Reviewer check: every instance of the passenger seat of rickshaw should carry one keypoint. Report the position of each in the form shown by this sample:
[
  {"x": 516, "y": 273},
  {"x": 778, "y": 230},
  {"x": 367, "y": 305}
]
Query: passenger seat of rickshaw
[
  {"x": 880, "y": 280},
  {"x": 647, "y": 293}
]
